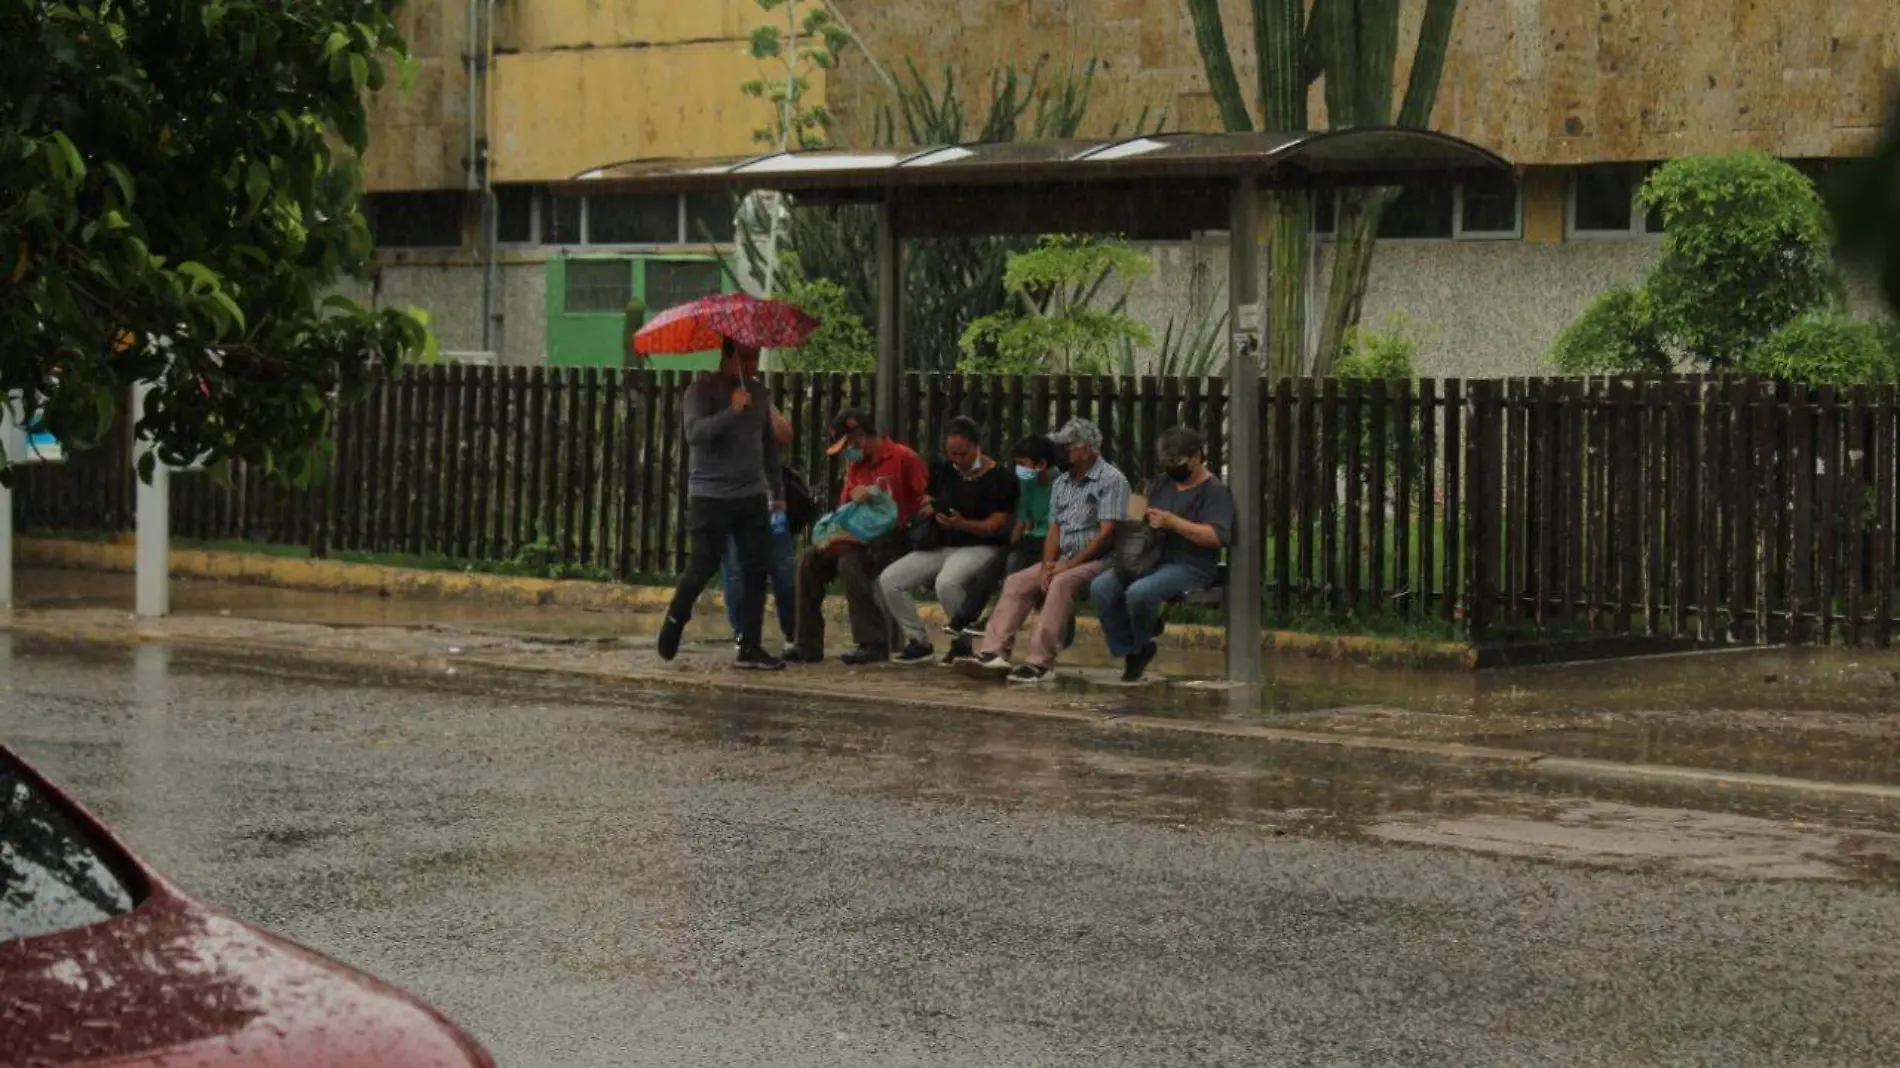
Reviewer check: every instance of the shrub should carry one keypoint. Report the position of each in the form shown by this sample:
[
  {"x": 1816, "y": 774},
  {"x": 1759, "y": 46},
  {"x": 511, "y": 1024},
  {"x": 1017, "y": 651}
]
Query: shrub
[
  {"x": 841, "y": 343},
  {"x": 1824, "y": 349},
  {"x": 1616, "y": 335}
]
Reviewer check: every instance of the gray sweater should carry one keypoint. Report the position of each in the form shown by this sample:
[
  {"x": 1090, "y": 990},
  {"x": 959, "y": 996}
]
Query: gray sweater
[{"x": 731, "y": 455}]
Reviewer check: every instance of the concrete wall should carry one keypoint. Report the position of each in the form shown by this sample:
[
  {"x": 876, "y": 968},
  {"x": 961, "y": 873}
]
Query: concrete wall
[
  {"x": 1541, "y": 81},
  {"x": 450, "y": 291}
]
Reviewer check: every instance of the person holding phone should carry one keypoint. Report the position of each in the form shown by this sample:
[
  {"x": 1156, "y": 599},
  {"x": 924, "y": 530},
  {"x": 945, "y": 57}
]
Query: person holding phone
[{"x": 972, "y": 503}]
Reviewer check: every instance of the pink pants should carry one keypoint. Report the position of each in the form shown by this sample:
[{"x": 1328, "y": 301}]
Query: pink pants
[{"x": 1020, "y": 594}]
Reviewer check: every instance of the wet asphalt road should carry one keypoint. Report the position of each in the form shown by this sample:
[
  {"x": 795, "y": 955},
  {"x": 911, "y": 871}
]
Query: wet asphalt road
[{"x": 687, "y": 880}]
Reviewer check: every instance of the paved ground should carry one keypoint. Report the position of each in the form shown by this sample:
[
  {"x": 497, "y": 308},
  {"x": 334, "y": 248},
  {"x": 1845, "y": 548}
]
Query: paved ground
[{"x": 592, "y": 878}]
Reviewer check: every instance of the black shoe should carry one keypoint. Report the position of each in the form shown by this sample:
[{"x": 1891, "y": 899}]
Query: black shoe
[
  {"x": 757, "y": 659},
  {"x": 1137, "y": 663},
  {"x": 978, "y": 628},
  {"x": 959, "y": 650},
  {"x": 865, "y": 654},
  {"x": 991, "y": 661},
  {"x": 915, "y": 653},
  {"x": 797, "y": 655},
  {"x": 1031, "y": 673},
  {"x": 670, "y": 633}
]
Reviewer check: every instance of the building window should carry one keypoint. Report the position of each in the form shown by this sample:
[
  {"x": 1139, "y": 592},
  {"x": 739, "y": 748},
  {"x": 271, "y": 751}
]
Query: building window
[
  {"x": 1603, "y": 201},
  {"x": 631, "y": 219},
  {"x": 670, "y": 283},
  {"x": 710, "y": 216},
  {"x": 415, "y": 220},
  {"x": 1489, "y": 208},
  {"x": 561, "y": 220},
  {"x": 597, "y": 287},
  {"x": 514, "y": 214}
]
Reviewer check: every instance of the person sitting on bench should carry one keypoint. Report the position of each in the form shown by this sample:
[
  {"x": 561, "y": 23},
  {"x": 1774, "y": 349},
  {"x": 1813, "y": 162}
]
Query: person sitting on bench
[
  {"x": 1034, "y": 458},
  {"x": 1194, "y": 513}
]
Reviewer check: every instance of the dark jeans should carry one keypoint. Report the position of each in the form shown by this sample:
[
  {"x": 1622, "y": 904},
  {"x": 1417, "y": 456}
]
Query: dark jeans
[
  {"x": 859, "y": 566},
  {"x": 782, "y": 569},
  {"x": 747, "y": 521}
]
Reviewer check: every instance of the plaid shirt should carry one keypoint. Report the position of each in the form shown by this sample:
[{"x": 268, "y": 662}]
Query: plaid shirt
[{"x": 1078, "y": 507}]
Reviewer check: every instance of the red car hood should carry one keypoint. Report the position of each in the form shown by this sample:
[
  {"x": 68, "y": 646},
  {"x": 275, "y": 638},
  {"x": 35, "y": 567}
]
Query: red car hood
[{"x": 175, "y": 983}]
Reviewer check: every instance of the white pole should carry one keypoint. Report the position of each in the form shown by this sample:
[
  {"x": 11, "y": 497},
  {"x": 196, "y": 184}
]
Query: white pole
[
  {"x": 12, "y": 443},
  {"x": 154, "y": 526}
]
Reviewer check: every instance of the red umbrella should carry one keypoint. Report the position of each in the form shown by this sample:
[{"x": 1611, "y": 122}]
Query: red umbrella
[{"x": 702, "y": 324}]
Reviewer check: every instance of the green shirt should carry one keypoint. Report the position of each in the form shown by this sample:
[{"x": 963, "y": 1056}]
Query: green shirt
[{"x": 1032, "y": 507}]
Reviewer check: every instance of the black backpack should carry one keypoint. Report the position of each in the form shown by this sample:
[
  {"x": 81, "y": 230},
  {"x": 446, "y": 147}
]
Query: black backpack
[{"x": 801, "y": 509}]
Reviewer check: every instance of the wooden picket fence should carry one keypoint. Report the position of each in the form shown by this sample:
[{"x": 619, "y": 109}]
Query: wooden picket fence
[{"x": 1717, "y": 510}]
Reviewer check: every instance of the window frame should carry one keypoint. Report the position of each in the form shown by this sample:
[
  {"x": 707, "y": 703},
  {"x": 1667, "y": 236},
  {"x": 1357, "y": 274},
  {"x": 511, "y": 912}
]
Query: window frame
[
  {"x": 1458, "y": 231},
  {"x": 634, "y": 284},
  {"x": 461, "y": 219},
  {"x": 1639, "y": 216}
]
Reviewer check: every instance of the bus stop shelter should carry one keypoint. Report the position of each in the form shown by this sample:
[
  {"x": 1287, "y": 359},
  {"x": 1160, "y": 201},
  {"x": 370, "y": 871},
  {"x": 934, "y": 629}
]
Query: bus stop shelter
[{"x": 1157, "y": 187}]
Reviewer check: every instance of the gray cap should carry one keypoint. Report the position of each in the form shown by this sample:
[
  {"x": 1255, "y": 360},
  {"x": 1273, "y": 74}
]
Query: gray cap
[{"x": 1078, "y": 432}]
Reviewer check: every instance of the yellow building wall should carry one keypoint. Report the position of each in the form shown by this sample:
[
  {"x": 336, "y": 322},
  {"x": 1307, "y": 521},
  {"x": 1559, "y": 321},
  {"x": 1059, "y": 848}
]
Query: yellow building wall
[
  {"x": 419, "y": 136},
  {"x": 1540, "y": 81}
]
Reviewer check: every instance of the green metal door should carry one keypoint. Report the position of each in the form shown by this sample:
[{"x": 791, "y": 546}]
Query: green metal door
[{"x": 588, "y": 297}]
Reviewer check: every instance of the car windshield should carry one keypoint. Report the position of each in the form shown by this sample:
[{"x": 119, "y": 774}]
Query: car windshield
[{"x": 52, "y": 876}]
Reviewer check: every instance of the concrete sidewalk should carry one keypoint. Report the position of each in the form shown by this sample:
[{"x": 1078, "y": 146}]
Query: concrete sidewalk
[{"x": 1801, "y": 721}]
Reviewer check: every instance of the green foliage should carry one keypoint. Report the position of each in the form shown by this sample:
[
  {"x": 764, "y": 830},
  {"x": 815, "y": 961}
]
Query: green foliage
[
  {"x": 1191, "y": 347},
  {"x": 1825, "y": 349},
  {"x": 1057, "y": 324},
  {"x": 841, "y": 342},
  {"x": 1746, "y": 250},
  {"x": 1616, "y": 335},
  {"x": 1391, "y": 354},
  {"x": 948, "y": 283},
  {"x": 172, "y": 209},
  {"x": 787, "y": 62},
  {"x": 1745, "y": 254}
]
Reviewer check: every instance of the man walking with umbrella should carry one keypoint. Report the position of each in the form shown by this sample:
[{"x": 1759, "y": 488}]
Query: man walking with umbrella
[{"x": 734, "y": 484}]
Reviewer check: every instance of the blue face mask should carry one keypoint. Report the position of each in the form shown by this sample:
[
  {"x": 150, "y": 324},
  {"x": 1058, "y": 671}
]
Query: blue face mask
[
  {"x": 1027, "y": 474},
  {"x": 853, "y": 455}
]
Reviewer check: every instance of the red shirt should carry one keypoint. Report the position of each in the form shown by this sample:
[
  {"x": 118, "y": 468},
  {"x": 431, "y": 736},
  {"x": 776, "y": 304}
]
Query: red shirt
[{"x": 901, "y": 473}]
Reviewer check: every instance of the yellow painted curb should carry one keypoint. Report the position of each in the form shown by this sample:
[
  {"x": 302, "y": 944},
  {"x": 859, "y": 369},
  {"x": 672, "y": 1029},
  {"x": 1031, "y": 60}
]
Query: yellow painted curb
[{"x": 376, "y": 580}]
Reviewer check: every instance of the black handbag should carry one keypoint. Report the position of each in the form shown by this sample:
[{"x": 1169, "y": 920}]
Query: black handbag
[
  {"x": 1137, "y": 550},
  {"x": 801, "y": 508},
  {"x": 923, "y": 535}
]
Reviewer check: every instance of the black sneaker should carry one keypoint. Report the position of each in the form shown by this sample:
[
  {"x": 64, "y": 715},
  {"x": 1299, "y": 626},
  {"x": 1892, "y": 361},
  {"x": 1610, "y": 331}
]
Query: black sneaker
[
  {"x": 799, "y": 655},
  {"x": 915, "y": 653},
  {"x": 978, "y": 628},
  {"x": 1031, "y": 673},
  {"x": 757, "y": 659},
  {"x": 865, "y": 654},
  {"x": 990, "y": 661},
  {"x": 670, "y": 633},
  {"x": 1137, "y": 663},
  {"x": 952, "y": 628},
  {"x": 959, "y": 650}
]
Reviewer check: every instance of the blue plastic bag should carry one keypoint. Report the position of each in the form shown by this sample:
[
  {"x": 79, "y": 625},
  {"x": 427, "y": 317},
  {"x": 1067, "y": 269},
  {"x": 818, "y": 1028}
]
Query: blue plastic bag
[{"x": 866, "y": 521}]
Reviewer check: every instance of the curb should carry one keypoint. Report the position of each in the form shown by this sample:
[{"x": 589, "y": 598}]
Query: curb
[
  {"x": 377, "y": 580},
  {"x": 1531, "y": 761}
]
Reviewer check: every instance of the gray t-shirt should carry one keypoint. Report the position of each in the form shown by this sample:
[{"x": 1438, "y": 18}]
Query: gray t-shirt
[
  {"x": 1210, "y": 503},
  {"x": 732, "y": 455}
]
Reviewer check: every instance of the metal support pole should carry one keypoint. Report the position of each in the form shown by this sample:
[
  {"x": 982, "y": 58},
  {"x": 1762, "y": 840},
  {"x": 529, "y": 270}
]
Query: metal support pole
[
  {"x": 890, "y": 353},
  {"x": 1243, "y": 421},
  {"x": 153, "y": 519},
  {"x": 15, "y": 447}
]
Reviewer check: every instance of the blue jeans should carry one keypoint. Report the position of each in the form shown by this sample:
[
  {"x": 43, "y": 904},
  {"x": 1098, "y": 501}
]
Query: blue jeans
[
  {"x": 1129, "y": 611},
  {"x": 780, "y": 566}
]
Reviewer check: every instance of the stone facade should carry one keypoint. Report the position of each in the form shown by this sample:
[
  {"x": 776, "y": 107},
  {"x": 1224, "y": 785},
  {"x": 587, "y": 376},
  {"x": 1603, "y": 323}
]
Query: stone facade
[{"x": 1538, "y": 81}]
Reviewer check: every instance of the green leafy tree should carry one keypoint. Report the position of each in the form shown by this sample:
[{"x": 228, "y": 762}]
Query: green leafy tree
[
  {"x": 1746, "y": 252},
  {"x": 173, "y": 208},
  {"x": 809, "y": 43},
  {"x": 1058, "y": 323},
  {"x": 841, "y": 343}
]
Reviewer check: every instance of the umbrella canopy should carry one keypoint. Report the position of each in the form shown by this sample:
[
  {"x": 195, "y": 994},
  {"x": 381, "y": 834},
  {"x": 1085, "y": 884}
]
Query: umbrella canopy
[{"x": 703, "y": 324}]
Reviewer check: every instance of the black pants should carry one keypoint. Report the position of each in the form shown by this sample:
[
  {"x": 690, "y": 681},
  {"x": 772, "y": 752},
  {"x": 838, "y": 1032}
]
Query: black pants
[
  {"x": 1020, "y": 555},
  {"x": 748, "y": 522}
]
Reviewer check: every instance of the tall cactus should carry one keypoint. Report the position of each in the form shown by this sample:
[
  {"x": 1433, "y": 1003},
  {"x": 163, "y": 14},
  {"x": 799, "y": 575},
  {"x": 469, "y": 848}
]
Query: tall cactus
[{"x": 1354, "y": 45}]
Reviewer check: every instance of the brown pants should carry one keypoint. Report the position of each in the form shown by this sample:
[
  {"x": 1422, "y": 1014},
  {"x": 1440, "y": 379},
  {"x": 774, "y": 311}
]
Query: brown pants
[{"x": 859, "y": 566}]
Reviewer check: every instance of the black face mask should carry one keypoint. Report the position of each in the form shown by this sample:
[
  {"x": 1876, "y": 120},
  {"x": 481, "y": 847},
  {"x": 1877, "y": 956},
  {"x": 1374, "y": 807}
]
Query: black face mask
[{"x": 1181, "y": 472}]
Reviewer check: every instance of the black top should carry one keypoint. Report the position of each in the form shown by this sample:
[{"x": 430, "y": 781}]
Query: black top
[{"x": 991, "y": 493}]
